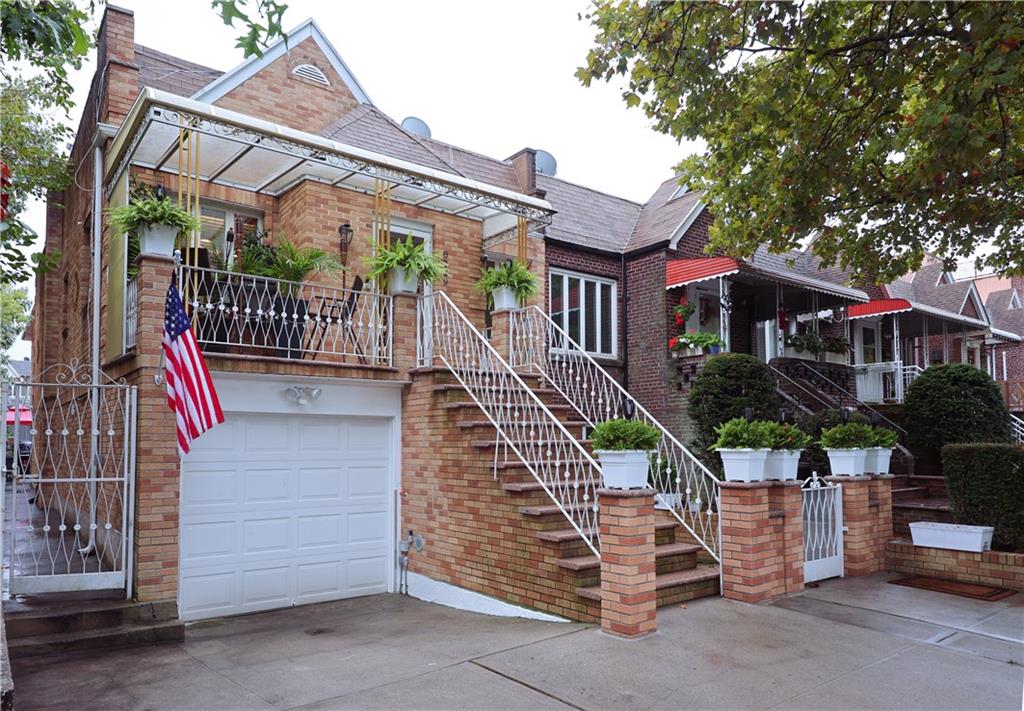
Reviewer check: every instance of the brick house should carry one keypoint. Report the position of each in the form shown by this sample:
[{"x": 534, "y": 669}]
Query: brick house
[{"x": 1003, "y": 298}]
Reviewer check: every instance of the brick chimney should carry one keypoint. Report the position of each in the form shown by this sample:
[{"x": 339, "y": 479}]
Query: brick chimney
[
  {"x": 524, "y": 163},
  {"x": 115, "y": 54}
]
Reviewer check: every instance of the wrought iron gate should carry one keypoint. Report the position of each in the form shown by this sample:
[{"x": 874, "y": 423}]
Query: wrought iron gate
[
  {"x": 69, "y": 464},
  {"x": 823, "y": 529}
]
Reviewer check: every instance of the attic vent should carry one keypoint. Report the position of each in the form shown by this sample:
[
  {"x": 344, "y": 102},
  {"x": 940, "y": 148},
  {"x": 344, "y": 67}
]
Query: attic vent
[{"x": 308, "y": 71}]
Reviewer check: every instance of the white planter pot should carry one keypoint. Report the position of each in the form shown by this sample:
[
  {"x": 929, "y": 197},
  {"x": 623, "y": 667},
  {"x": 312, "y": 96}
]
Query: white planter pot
[
  {"x": 841, "y": 358},
  {"x": 668, "y": 502},
  {"x": 694, "y": 507},
  {"x": 744, "y": 464},
  {"x": 402, "y": 283},
  {"x": 877, "y": 460},
  {"x": 951, "y": 536},
  {"x": 791, "y": 352},
  {"x": 504, "y": 299},
  {"x": 782, "y": 464},
  {"x": 847, "y": 462},
  {"x": 158, "y": 239},
  {"x": 624, "y": 470}
]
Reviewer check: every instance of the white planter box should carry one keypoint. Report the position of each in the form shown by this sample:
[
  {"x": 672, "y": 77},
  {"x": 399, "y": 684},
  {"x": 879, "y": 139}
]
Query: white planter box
[
  {"x": 877, "y": 460},
  {"x": 951, "y": 536},
  {"x": 744, "y": 464},
  {"x": 626, "y": 469},
  {"x": 782, "y": 464},
  {"x": 847, "y": 462},
  {"x": 791, "y": 352},
  {"x": 158, "y": 239},
  {"x": 841, "y": 358},
  {"x": 402, "y": 283},
  {"x": 504, "y": 299}
]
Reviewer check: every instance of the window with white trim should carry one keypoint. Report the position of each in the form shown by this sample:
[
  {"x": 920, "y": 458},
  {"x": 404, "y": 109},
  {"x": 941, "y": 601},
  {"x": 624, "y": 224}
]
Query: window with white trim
[
  {"x": 1014, "y": 300},
  {"x": 585, "y": 307}
]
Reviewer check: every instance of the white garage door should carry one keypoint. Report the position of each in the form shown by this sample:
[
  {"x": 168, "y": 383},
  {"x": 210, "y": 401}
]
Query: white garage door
[{"x": 280, "y": 510}]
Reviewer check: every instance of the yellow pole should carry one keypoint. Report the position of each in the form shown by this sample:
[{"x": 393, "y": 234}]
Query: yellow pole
[{"x": 195, "y": 213}]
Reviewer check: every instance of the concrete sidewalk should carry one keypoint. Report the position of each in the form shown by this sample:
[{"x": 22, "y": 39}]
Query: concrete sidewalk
[{"x": 394, "y": 652}]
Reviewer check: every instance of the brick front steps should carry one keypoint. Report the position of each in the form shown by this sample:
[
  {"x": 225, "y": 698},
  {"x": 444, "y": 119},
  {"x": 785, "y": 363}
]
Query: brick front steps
[
  {"x": 918, "y": 498},
  {"x": 502, "y": 534}
]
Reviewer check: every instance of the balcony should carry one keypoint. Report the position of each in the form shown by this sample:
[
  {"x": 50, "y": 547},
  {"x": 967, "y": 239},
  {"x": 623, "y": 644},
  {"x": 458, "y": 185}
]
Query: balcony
[{"x": 251, "y": 315}]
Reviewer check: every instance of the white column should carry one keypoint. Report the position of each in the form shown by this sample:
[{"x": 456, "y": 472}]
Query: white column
[
  {"x": 963, "y": 346},
  {"x": 1005, "y": 375},
  {"x": 780, "y": 333},
  {"x": 897, "y": 354},
  {"x": 814, "y": 308},
  {"x": 945, "y": 342},
  {"x": 927, "y": 345},
  {"x": 724, "y": 310}
]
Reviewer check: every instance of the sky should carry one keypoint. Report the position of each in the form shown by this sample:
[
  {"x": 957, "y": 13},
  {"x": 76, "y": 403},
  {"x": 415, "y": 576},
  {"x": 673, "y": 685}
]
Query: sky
[{"x": 488, "y": 76}]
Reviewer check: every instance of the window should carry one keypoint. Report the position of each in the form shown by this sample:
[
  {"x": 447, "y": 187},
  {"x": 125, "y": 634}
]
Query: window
[
  {"x": 869, "y": 348},
  {"x": 1014, "y": 300},
  {"x": 586, "y": 308},
  {"x": 679, "y": 192},
  {"x": 214, "y": 223}
]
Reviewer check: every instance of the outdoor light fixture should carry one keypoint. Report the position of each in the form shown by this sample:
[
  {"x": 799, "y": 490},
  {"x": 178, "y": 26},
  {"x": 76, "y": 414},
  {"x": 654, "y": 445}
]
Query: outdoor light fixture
[
  {"x": 346, "y": 233},
  {"x": 160, "y": 192},
  {"x": 302, "y": 395},
  {"x": 230, "y": 237}
]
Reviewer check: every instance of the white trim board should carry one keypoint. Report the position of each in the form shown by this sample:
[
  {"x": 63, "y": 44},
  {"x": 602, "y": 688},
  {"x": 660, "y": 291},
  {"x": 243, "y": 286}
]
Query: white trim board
[{"x": 429, "y": 590}]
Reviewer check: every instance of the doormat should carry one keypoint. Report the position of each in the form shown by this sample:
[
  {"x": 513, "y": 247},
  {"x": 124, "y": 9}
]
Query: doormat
[{"x": 951, "y": 587}]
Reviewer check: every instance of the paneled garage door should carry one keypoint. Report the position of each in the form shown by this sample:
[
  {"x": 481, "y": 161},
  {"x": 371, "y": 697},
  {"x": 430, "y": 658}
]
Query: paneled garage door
[{"x": 280, "y": 510}]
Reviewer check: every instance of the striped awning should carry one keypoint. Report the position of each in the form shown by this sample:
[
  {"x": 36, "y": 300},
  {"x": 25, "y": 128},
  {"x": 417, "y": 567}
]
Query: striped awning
[
  {"x": 680, "y": 272},
  {"x": 880, "y": 307}
]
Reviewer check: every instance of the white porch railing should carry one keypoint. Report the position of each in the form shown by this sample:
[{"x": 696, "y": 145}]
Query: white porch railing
[
  {"x": 523, "y": 423},
  {"x": 885, "y": 382},
  {"x": 256, "y": 315},
  {"x": 684, "y": 485},
  {"x": 1017, "y": 428},
  {"x": 910, "y": 373},
  {"x": 131, "y": 314}
]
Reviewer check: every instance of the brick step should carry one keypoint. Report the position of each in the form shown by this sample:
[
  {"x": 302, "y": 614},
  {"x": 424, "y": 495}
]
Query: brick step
[
  {"x": 665, "y": 550},
  {"x": 120, "y": 636},
  {"x": 909, "y": 492},
  {"x": 70, "y": 618},
  {"x": 487, "y": 444},
  {"x": 540, "y": 392},
  {"x": 570, "y": 534},
  {"x": 672, "y": 588},
  {"x": 556, "y": 408},
  {"x": 573, "y": 426},
  {"x": 936, "y": 503}
]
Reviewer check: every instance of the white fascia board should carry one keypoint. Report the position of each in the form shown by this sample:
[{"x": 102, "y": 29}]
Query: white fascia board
[
  {"x": 947, "y": 315},
  {"x": 246, "y": 70},
  {"x": 815, "y": 284},
  {"x": 1005, "y": 335},
  {"x": 973, "y": 292},
  {"x": 150, "y": 96},
  {"x": 686, "y": 224}
]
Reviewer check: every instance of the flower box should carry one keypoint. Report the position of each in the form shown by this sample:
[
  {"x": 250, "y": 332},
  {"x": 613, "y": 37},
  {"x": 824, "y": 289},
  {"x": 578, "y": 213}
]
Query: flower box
[
  {"x": 951, "y": 536},
  {"x": 624, "y": 469},
  {"x": 782, "y": 464},
  {"x": 504, "y": 299},
  {"x": 402, "y": 282},
  {"x": 791, "y": 352},
  {"x": 744, "y": 464},
  {"x": 158, "y": 239},
  {"x": 840, "y": 358},
  {"x": 877, "y": 460},
  {"x": 847, "y": 462},
  {"x": 668, "y": 502}
]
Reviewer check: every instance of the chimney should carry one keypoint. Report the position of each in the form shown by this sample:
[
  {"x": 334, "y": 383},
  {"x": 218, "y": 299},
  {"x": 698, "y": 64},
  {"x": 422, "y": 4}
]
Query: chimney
[
  {"x": 524, "y": 163},
  {"x": 115, "y": 54}
]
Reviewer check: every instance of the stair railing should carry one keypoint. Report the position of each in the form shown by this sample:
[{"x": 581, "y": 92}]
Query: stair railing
[
  {"x": 683, "y": 484},
  {"x": 803, "y": 388},
  {"x": 1017, "y": 428},
  {"x": 524, "y": 424}
]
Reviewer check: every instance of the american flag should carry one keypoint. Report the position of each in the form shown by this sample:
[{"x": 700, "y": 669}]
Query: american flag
[{"x": 190, "y": 391}]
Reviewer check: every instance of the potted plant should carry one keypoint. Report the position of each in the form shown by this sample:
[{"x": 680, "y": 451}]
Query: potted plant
[
  {"x": 290, "y": 265},
  {"x": 743, "y": 446},
  {"x": 837, "y": 349},
  {"x": 694, "y": 504},
  {"x": 846, "y": 446},
  {"x": 406, "y": 263},
  {"x": 683, "y": 311},
  {"x": 786, "y": 442},
  {"x": 155, "y": 221},
  {"x": 693, "y": 343},
  {"x": 624, "y": 448},
  {"x": 507, "y": 285},
  {"x": 880, "y": 452}
]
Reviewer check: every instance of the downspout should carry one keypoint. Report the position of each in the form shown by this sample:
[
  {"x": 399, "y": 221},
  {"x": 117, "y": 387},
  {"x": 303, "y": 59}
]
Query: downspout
[{"x": 624, "y": 278}]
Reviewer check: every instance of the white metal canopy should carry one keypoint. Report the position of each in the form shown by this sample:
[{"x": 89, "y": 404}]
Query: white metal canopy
[{"x": 248, "y": 153}]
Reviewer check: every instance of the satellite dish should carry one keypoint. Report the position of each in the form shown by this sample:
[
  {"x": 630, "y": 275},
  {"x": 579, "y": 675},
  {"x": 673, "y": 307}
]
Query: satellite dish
[
  {"x": 416, "y": 126},
  {"x": 546, "y": 163}
]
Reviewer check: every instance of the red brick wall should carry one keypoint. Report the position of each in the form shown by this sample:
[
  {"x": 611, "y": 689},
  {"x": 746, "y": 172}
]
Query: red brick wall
[
  {"x": 1004, "y": 570},
  {"x": 647, "y": 312},
  {"x": 275, "y": 94}
]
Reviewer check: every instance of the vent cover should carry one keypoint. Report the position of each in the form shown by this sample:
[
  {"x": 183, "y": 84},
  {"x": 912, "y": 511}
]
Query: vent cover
[{"x": 308, "y": 71}]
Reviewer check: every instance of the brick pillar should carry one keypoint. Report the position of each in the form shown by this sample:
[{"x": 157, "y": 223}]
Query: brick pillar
[
  {"x": 881, "y": 491},
  {"x": 405, "y": 332},
  {"x": 500, "y": 332},
  {"x": 629, "y": 599},
  {"x": 860, "y": 518},
  {"x": 762, "y": 540}
]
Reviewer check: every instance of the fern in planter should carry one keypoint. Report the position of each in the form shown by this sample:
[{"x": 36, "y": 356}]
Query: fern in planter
[
  {"x": 512, "y": 275},
  {"x": 853, "y": 435},
  {"x": 149, "y": 212},
  {"x": 787, "y": 437},
  {"x": 413, "y": 258},
  {"x": 739, "y": 433}
]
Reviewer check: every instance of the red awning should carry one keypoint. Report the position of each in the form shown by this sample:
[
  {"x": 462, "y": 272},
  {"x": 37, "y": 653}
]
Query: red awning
[
  {"x": 878, "y": 307},
  {"x": 679, "y": 272},
  {"x": 23, "y": 416}
]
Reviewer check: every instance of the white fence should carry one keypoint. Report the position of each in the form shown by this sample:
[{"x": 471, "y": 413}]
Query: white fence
[{"x": 823, "y": 529}]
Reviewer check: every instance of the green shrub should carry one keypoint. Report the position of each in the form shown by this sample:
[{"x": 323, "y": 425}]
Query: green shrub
[
  {"x": 785, "y": 436},
  {"x": 884, "y": 437},
  {"x": 853, "y": 435},
  {"x": 738, "y": 433},
  {"x": 726, "y": 386},
  {"x": 986, "y": 488},
  {"x": 619, "y": 435},
  {"x": 949, "y": 404}
]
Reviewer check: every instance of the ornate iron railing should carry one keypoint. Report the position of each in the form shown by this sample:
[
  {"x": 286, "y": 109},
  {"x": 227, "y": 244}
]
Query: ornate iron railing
[
  {"x": 684, "y": 485},
  {"x": 255, "y": 315},
  {"x": 131, "y": 314},
  {"x": 523, "y": 423}
]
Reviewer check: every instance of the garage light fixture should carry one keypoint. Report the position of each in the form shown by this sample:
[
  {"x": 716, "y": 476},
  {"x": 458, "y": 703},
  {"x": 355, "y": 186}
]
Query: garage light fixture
[{"x": 302, "y": 395}]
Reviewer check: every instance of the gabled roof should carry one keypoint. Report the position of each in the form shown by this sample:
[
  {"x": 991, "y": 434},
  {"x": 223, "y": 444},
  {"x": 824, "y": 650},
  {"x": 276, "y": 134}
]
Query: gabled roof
[
  {"x": 250, "y": 67},
  {"x": 928, "y": 289},
  {"x": 1001, "y": 315},
  {"x": 172, "y": 74},
  {"x": 662, "y": 219}
]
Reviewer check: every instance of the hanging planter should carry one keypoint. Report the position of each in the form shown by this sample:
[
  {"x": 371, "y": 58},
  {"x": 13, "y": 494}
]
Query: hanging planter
[
  {"x": 508, "y": 285},
  {"x": 157, "y": 221},
  {"x": 405, "y": 264},
  {"x": 402, "y": 282}
]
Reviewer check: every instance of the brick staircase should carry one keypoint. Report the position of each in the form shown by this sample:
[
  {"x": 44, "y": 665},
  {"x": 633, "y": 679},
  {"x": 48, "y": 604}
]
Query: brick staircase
[
  {"x": 920, "y": 495},
  {"x": 684, "y": 570},
  {"x": 69, "y": 623}
]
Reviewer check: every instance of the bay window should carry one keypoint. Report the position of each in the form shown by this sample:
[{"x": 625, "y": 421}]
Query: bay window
[{"x": 585, "y": 308}]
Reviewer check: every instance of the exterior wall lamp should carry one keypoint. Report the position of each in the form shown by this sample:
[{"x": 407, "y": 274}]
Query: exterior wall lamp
[
  {"x": 346, "y": 232},
  {"x": 302, "y": 395}
]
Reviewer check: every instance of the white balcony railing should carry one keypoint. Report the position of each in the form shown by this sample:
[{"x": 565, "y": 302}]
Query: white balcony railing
[
  {"x": 131, "y": 314},
  {"x": 885, "y": 382},
  {"x": 253, "y": 315}
]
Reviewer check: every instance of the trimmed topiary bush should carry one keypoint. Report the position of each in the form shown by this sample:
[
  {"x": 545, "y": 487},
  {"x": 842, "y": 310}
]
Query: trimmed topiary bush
[
  {"x": 725, "y": 387},
  {"x": 948, "y": 404},
  {"x": 986, "y": 488}
]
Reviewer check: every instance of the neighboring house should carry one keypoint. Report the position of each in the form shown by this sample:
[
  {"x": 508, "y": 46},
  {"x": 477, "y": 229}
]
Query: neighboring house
[
  {"x": 17, "y": 370},
  {"x": 1004, "y": 302}
]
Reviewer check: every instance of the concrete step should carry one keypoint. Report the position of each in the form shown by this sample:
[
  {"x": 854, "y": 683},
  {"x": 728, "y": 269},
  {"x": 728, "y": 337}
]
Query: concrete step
[
  {"x": 120, "y": 636},
  {"x": 664, "y": 551},
  {"x": 86, "y": 617},
  {"x": 672, "y": 588}
]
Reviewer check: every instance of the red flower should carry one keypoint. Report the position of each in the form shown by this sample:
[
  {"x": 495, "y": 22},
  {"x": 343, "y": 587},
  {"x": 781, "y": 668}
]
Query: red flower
[
  {"x": 673, "y": 342},
  {"x": 679, "y": 320},
  {"x": 682, "y": 300}
]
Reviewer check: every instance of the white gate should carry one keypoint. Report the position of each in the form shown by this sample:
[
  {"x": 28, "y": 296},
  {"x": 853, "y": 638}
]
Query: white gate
[
  {"x": 68, "y": 466},
  {"x": 823, "y": 529}
]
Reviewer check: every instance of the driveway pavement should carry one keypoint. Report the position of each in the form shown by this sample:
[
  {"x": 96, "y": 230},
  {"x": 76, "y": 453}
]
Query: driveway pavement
[{"x": 394, "y": 652}]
